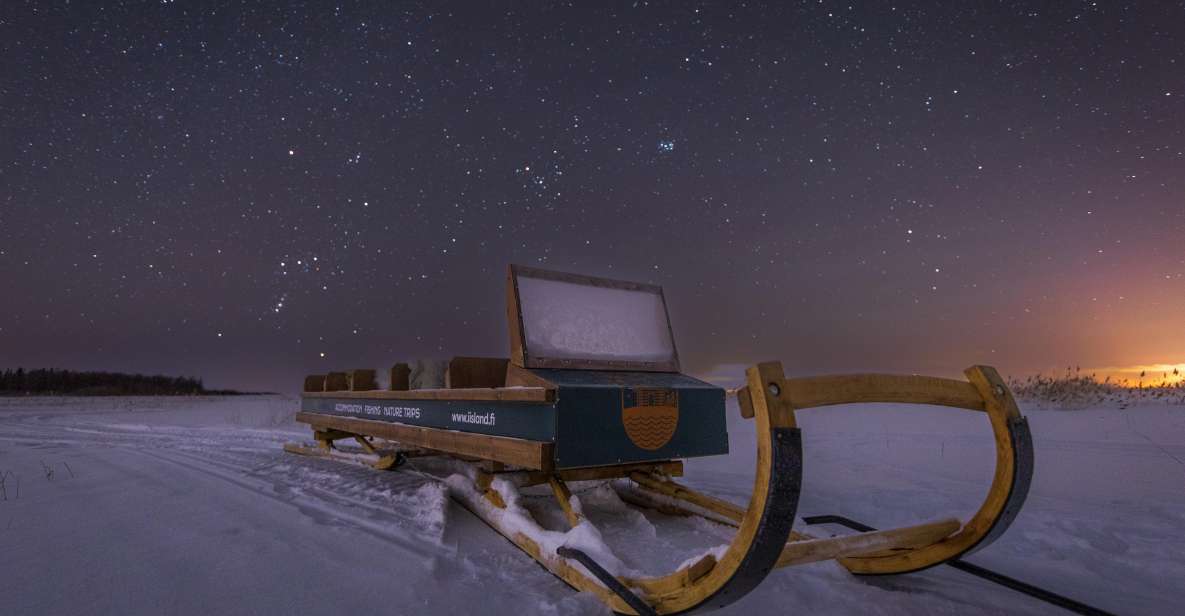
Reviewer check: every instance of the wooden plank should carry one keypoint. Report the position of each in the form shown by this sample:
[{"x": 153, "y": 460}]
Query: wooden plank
[
  {"x": 400, "y": 377},
  {"x": 506, "y": 394},
  {"x": 818, "y": 391},
  {"x": 534, "y": 455},
  {"x": 866, "y": 544},
  {"x": 723, "y": 508},
  {"x": 684, "y": 501},
  {"x": 476, "y": 372}
]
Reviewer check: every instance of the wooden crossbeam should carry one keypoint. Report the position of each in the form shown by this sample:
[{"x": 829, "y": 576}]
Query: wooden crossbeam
[
  {"x": 817, "y": 391},
  {"x": 720, "y": 507},
  {"x": 867, "y": 544}
]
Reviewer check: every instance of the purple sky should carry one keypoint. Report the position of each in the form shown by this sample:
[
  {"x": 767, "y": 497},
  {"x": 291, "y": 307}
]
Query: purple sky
[{"x": 230, "y": 192}]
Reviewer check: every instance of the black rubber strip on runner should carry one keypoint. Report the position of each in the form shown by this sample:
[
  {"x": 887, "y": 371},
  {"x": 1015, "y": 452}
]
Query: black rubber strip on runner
[
  {"x": 608, "y": 580},
  {"x": 980, "y": 572}
]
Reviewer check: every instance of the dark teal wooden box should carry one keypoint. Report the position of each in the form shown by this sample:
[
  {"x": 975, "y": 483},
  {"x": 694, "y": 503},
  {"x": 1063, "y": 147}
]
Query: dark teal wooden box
[{"x": 598, "y": 418}]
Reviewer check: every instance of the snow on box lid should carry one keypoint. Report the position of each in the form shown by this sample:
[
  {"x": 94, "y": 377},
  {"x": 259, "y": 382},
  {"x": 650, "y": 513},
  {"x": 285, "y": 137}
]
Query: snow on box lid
[{"x": 572, "y": 321}]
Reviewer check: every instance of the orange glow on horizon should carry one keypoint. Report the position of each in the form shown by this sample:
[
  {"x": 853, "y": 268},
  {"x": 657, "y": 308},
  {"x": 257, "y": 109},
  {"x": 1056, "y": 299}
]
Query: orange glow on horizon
[{"x": 1153, "y": 374}]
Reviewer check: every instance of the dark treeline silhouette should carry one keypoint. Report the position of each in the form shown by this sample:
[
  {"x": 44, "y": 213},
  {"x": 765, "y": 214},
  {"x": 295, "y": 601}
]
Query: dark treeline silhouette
[{"x": 49, "y": 381}]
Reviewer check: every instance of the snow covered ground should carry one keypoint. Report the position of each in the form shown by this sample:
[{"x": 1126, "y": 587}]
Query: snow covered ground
[{"x": 189, "y": 505}]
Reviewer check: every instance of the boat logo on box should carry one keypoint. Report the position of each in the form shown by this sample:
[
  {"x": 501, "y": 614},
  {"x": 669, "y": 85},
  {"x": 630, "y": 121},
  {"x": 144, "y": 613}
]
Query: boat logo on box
[{"x": 650, "y": 416}]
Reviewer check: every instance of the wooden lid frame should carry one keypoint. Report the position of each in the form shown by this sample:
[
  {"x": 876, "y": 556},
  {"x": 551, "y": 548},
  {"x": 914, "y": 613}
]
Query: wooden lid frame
[{"x": 522, "y": 356}]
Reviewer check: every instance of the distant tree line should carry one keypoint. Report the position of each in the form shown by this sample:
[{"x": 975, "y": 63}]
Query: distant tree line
[{"x": 44, "y": 381}]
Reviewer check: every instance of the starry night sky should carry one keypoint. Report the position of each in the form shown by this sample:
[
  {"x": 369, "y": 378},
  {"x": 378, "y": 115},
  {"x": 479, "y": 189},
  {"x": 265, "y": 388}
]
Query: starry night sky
[{"x": 231, "y": 190}]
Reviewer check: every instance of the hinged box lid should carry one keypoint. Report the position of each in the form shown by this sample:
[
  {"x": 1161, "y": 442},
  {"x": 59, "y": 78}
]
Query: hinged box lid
[{"x": 561, "y": 320}]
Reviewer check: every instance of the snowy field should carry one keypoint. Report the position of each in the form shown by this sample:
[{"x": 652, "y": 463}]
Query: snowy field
[{"x": 189, "y": 506}]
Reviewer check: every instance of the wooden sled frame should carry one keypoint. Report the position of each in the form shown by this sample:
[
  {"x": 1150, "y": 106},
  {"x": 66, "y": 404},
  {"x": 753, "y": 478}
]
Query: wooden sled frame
[
  {"x": 764, "y": 538},
  {"x": 983, "y": 391}
]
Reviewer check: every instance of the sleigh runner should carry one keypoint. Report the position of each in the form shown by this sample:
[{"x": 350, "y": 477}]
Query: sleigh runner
[{"x": 592, "y": 391}]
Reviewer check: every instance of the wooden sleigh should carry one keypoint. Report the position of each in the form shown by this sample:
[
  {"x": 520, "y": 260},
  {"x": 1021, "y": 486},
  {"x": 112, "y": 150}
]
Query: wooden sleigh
[{"x": 551, "y": 414}]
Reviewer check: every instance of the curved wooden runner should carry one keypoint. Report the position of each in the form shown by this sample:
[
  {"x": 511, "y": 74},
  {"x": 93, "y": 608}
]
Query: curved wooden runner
[{"x": 985, "y": 391}]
